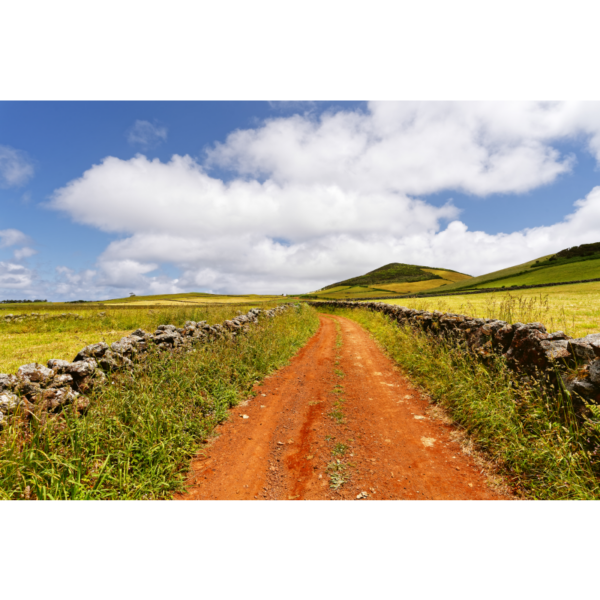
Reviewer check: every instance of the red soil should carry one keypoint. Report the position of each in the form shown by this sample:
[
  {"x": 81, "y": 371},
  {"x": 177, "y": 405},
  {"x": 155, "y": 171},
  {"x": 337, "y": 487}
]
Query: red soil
[{"x": 394, "y": 450}]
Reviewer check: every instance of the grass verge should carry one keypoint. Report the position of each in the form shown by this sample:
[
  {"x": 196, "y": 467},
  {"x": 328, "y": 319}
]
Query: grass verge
[
  {"x": 137, "y": 438},
  {"x": 533, "y": 439}
]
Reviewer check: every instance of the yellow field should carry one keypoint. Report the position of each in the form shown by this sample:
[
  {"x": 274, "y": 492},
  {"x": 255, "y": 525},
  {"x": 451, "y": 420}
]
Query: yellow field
[
  {"x": 40, "y": 340},
  {"x": 449, "y": 275},
  {"x": 415, "y": 286},
  {"x": 574, "y": 309},
  {"x": 199, "y": 301},
  {"x": 17, "y": 349}
]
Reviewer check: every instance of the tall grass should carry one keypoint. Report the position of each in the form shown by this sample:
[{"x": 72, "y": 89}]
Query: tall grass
[
  {"x": 38, "y": 340},
  {"x": 533, "y": 437},
  {"x": 136, "y": 440},
  {"x": 575, "y": 314}
]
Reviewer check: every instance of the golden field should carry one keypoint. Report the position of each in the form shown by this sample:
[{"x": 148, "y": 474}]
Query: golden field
[
  {"x": 38, "y": 340},
  {"x": 574, "y": 309}
]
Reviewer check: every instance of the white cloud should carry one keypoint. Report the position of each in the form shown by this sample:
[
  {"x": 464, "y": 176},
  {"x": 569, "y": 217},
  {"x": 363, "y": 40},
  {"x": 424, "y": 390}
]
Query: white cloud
[
  {"x": 312, "y": 201},
  {"x": 417, "y": 147},
  {"x": 14, "y": 277},
  {"x": 146, "y": 135},
  {"x": 21, "y": 253},
  {"x": 16, "y": 168},
  {"x": 12, "y": 237}
]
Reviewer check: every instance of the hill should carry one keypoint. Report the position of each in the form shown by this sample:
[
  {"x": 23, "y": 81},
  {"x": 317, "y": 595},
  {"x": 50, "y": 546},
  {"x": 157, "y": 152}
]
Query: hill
[
  {"x": 390, "y": 280},
  {"x": 571, "y": 264}
]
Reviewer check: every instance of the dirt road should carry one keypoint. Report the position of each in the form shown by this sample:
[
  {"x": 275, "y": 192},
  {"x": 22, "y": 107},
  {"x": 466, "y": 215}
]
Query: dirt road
[{"x": 339, "y": 422}]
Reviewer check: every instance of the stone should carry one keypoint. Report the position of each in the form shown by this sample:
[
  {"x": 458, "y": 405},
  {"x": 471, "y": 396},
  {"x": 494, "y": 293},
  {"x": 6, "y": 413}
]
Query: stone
[
  {"x": 594, "y": 371},
  {"x": 125, "y": 346},
  {"x": 169, "y": 337},
  {"x": 35, "y": 373},
  {"x": 92, "y": 351},
  {"x": 111, "y": 361},
  {"x": 55, "y": 399},
  {"x": 9, "y": 402},
  {"x": 555, "y": 350},
  {"x": 62, "y": 381},
  {"x": 581, "y": 350},
  {"x": 57, "y": 364},
  {"x": 139, "y": 333},
  {"x": 7, "y": 382},
  {"x": 29, "y": 389},
  {"x": 583, "y": 387}
]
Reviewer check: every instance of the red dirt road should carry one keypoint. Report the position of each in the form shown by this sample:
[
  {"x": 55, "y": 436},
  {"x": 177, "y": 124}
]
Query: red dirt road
[{"x": 340, "y": 399}]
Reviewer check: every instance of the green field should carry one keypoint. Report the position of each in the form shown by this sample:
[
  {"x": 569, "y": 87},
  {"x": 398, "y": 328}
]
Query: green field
[
  {"x": 572, "y": 264},
  {"x": 575, "y": 271}
]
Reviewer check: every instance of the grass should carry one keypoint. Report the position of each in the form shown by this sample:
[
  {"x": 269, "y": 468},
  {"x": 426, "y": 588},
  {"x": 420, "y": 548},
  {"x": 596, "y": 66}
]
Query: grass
[
  {"x": 391, "y": 280},
  {"x": 534, "y": 439},
  {"x": 570, "y": 271},
  {"x": 489, "y": 277},
  {"x": 38, "y": 340},
  {"x": 137, "y": 438},
  {"x": 574, "y": 309}
]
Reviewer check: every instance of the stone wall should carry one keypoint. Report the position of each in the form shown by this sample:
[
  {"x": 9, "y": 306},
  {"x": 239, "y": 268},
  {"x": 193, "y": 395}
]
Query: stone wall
[
  {"x": 528, "y": 347},
  {"x": 37, "y": 389}
]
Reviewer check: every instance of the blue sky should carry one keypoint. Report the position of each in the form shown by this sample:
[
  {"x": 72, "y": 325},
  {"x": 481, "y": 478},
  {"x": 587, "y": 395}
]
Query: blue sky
[{"x": 105, "y": 198}]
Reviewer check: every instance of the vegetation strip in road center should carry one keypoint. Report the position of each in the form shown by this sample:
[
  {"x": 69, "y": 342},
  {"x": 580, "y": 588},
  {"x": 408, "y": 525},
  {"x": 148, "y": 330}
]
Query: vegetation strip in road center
[
  {"x": 535, "y": 441},
  {"x": 338, "y": 468},
  {"x": 137, "y": 438}
]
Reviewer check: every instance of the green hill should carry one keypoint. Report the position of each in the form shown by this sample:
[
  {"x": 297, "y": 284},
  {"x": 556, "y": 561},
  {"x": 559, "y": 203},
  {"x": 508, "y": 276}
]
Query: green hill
[
  {"x": 571, "y": 264},
  {"x": 392, "y": 273}
]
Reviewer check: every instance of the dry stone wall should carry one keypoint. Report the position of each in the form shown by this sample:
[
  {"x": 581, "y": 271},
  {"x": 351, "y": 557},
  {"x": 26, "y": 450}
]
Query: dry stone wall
[
  {"x": 528, "y": 347},
  {"x": 37, "y": 389}
]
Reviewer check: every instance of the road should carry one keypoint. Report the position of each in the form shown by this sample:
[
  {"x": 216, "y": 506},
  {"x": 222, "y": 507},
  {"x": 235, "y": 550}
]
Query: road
[{"x": 339, "y": 422}]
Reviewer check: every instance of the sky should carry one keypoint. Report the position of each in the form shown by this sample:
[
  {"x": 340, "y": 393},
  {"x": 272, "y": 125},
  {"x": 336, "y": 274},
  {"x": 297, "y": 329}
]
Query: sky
[{"x": 104, "y": 199}]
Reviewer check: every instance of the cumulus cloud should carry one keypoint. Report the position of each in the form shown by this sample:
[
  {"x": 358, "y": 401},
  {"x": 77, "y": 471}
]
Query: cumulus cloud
[
  {"x": 146, "y": 135},
  {"x": 21, "y": 253},
  {"x": 12, "y": 237},
  {"x": 417, "y": 148},
  {"x": 315, "y": 199},
  {"x": 16, "y": 169},
  {"x": 14, "y": 276}
]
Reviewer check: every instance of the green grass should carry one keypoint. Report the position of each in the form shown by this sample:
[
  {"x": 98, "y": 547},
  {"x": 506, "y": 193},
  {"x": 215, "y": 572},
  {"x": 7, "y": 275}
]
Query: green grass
[
  {"x": 473, "y": 282},
  {"x": 575, "y": 270},
  {"x": 533, "y": 438},
  {"x": 139, "y": 434},
  {"x": 391, "y": 273}
]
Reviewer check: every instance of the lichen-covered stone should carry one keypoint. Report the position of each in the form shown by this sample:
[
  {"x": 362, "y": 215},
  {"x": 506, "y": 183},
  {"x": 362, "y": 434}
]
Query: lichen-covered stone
[
  {"x": 35, "y": 373},
  {"x": 8, "y": 382},
  {"x": 92, "y": 351},
  {"x": 125, "y": 346},
  {"x": 9, "y": 402}
]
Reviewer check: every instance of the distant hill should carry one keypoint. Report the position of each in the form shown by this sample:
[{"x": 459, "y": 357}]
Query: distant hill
[
  {"x": 571, "y": 264},
  {"x": 390, "y": 280},
  {"x": 392, "y": 273}
]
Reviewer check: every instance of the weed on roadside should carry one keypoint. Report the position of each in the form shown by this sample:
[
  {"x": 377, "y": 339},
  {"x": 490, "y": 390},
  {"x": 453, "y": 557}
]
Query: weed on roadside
[
  {"x": 533, "y": 438},
  {"x": 138, "y": 436},
  {"x": 338, "y": 474}
]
